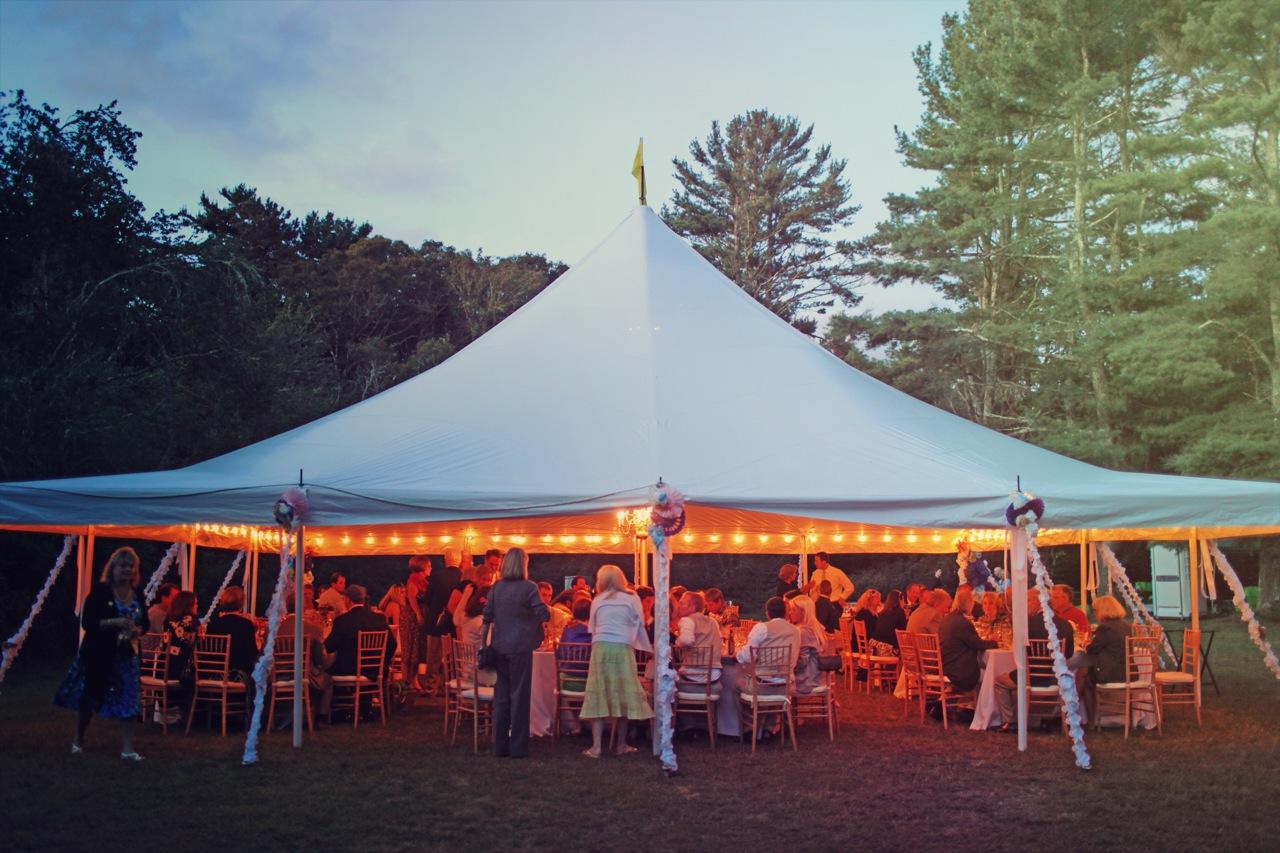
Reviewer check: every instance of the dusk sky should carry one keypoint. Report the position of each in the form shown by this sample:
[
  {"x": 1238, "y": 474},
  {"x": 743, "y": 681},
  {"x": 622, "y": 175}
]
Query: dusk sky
[{"x": 502, "y": 126}]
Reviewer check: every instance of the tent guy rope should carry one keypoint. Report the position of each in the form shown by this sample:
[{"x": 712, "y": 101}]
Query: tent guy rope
[
  {"x": 1246, "y": 612},
  {"x": 1133, "y": 599}
]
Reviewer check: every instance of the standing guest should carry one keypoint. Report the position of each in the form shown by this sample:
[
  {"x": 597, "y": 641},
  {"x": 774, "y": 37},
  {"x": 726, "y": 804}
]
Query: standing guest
[
  {"x": 1060, "y": 601},
  {"x": 960, "y": 644},
  {"x": 319, "y": 681},
  {"x": 697, "y": 630},
  {"x": 841, "y": 586},
  {"x": 890, "y": 620},
  {"x": 828, "y": 611},
  {"x": 486, "y": 574},
  {"x": 438, "y": 623},
  {"x": 158, "y": 612},
  {"x": 411, "y": 616},
  {"x": 230, "y": 620},
  {"x": 580, "y": 585},
  {"x": 471, "y": 630},
  {"x": 613, "y": 686},
  {"x": 105, "y": 677},
  {"x": 333, "y": 598},
  {"x": 343, "y": 641},
  {"x": 915, "y": 592},
  {"x": 787, "y": 575},
  {"x": 513, "y": 617},
  {"x": 928, "y": 616}
]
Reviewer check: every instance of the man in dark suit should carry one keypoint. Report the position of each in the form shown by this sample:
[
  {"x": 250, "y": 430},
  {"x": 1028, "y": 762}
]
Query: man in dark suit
[
  {"x": 230, "y": 620},
  {"x": 343, "y": 640},
  {"x": 960, "y": 644}
]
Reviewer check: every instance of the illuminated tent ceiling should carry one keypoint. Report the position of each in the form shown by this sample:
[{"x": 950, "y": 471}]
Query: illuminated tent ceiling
[{"x": 641, "y": 362}]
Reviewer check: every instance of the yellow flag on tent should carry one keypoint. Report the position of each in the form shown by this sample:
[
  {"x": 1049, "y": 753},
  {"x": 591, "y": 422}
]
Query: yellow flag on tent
[{"x": 637, "y": 169}]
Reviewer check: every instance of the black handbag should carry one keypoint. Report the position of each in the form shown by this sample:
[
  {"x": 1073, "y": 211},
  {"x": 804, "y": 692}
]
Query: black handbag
[
  {"x": 487, "y": 657},
  {"x": 829, "y": 663}
]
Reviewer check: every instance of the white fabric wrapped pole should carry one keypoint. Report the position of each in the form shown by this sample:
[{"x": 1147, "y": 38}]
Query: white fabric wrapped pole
[
  {"x": 235, "y": 564},
  {"x": 1246, "y": 612},
  {"x": 1066, "y": 680},
  {"x": 262, "y": 670},
  {"x": 14, "y": 644},
  {"x": 1018, "y": 556},
  {"x": 153, "y": 583},
  {"x": 1120, "y": 579},
  {"x": 664, "y": 677}
]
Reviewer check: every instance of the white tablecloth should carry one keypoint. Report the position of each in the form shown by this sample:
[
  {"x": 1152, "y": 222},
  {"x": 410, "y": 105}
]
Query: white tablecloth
[
  {"x": 542, "y": 699},
  {"x": 985, "y": 712}
]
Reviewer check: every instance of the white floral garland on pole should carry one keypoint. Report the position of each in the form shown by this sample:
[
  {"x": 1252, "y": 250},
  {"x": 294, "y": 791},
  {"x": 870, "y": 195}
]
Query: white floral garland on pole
[
  {"x": 666, "y": 519},
  {"x": 1133, "y": 599},
  {"x": 153, "y": 583},
  {"x": 1025, "y": 511},
  {"x": 262, "y": 669},
  {"x": 235, "y": 564},
  {"x": 13, "y": 645},
  {"x": 1246, "y": 612}
]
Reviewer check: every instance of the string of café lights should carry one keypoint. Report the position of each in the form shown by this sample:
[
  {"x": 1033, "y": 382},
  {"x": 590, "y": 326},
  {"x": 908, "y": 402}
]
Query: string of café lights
[{"x": 631, "y": 524}]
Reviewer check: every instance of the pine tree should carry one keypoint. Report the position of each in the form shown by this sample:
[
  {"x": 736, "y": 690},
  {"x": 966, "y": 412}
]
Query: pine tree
[{"x": 762, "y": 206}]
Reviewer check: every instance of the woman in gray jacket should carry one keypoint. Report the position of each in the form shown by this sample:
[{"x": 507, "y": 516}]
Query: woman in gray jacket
[{"x": 513, "y": 617}]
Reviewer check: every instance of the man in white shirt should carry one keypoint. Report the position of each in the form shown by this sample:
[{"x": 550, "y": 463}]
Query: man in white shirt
[
  {"x": 841, "y": 586},
  {"x": 696, "y": 630},
  {"x": 333, "y": 597},
  {"x": 777, "y": 631}
]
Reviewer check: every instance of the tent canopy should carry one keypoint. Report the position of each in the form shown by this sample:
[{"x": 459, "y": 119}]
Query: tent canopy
[{"x": 641, "y": 362}]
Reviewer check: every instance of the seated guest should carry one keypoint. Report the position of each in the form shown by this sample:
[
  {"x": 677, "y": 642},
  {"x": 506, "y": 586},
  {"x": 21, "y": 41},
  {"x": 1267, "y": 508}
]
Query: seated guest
[
  {"x": 470, "y": 622},
  {"x": 332, "y": 599},
  {"x": 580, "y": 585},
  {"x": 231, "y": 620},
  {"x": 715, "y": 603},
  {"x": 960, "y": 644},
  {"x": 775, "y": 631},
  {"x": 576, "y": 631},
  {"x": 343, "y": 640},
  {"x": 928, "y": 616},
  {"x": 866, "y": 610},
  {"x": 181, "y": 628},
  {"x": 1006, "y": 683},
  {"x": 828, "y": 611},
  {"x": 993, "y": 610},
  {"x": 319, "y": 681},
  {"x": 975, "y": 610},
  {"x": 914, "y": 594},
  {"x": 813, "y": 642},
  {"x": 1060, "y": 601},
  {"x": 647, "y": 601},
  {"x": 891, "y": 619},
  {"x": 158, "y": 612},
  {"x": 1104, "y": 656},
  {"x": 560, "y": 616},
  {"x": 697, "y": 630}
]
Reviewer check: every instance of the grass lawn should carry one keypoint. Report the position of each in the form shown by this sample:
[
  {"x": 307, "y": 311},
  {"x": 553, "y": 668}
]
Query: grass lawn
[{"x": 885, "y": 784}]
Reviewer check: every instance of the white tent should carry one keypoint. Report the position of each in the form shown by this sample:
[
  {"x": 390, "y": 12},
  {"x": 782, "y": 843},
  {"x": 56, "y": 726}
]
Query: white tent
[{"x": 641, "y": 362}]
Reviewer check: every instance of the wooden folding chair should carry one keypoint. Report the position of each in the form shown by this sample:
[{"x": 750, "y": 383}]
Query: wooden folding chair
[
  {"x": 451, "y": 684},
  {"x": 910, "y": 672},
  {"x": 1138, "y": 691},
  {"x": 818, "y": 704},
  {"x": 473, "y": 699},
  {"x": 1182, "y": 686},
  {"x": 155, "y": 682},
  {"x": 369, "y": 679},
  {"x": 572, "y": 662},
  {"x": 878, "y": 667},
  {"x": 848, "y": 654},
  {"x": 934, "y": 683},
  {"x": 759, "y": 700},
  {"x": 1043, "y": 698},
  {"x": 214, "y": 685},
  {"x": 283, "y": 686},
  {"x": 696, "y": 693}
]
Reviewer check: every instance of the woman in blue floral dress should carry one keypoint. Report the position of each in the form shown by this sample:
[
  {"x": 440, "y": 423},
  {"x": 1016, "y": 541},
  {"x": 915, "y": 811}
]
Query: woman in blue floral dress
[{"x": 104, "y": 678}]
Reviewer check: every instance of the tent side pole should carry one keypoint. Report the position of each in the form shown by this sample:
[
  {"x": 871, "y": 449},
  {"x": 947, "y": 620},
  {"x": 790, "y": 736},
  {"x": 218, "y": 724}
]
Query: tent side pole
[
  {"x": 1018, "y": 548},
  {"x": 89, "y": 547},
  {"x": 299, "y": 682},
  {"x": 1193, "y": 563},
  {"x": 191, "y": 567},
  {"x": 1084, "y": 571},
  {"x": 804, "y": 560},
  {"x": 81, "y": 571},
  {"x": 253, "y": 580}
]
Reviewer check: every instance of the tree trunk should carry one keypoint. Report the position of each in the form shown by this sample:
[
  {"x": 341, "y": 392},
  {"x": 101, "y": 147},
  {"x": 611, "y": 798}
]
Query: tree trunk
[{"x": 1269, "y": 574}]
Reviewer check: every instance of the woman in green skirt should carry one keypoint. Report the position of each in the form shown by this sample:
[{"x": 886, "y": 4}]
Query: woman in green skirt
[{"x": 613, "y": 686}]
